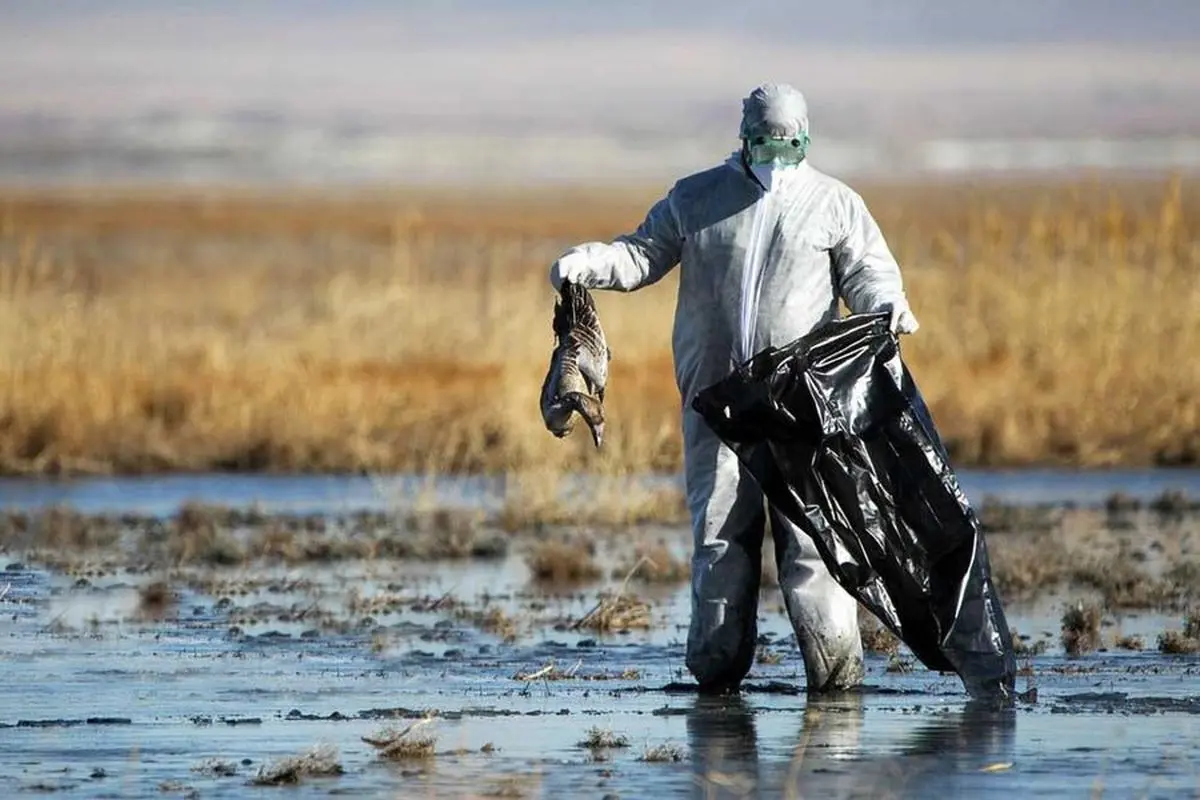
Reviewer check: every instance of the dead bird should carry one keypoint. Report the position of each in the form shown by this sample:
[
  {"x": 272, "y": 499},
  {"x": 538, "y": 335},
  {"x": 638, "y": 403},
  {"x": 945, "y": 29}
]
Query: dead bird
[{"x": 578, "y": 370}]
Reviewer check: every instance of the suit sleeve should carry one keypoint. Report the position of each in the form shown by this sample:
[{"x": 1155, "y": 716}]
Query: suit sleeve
[
  {"x": 636, "y": 259},
  {"x": 867, "y": 273}
]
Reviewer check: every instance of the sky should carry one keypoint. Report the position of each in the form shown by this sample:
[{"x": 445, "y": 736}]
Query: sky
[{"x": 622, "y": 71}]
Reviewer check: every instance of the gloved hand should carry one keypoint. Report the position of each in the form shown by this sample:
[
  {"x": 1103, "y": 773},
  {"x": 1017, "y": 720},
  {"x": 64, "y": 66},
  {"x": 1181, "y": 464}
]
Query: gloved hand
[
  {"x": 572, "y": 266},
  {"x": 903, "y": 320}
]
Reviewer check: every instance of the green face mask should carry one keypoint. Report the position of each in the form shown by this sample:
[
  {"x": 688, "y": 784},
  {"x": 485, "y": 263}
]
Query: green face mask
[{"x": 776, "y": 150}]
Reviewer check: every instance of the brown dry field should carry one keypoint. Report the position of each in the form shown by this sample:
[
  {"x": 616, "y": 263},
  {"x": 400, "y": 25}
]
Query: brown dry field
[{"x": 168, "y": 330}]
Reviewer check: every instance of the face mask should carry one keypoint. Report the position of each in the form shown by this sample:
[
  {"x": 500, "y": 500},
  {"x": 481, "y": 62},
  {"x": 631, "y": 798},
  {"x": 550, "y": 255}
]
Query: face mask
[
  {"x": 765, "y": 174},
  {"x": 765, "y": 156}
]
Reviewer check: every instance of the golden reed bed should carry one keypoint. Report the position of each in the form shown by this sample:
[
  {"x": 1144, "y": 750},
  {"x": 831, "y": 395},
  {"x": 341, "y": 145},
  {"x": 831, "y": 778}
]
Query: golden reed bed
[{"x": 150, "y": 331}]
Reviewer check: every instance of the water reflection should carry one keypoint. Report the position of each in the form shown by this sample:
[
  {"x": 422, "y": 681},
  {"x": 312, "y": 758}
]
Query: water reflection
[
  {"x": 952, "y": 754},
  {"x": 835, "y": 752},
  {"x": 723, "y": 741}
]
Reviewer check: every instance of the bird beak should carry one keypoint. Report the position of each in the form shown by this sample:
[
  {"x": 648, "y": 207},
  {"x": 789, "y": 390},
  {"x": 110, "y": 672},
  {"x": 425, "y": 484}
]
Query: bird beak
[{"x": 598, "y": 434}]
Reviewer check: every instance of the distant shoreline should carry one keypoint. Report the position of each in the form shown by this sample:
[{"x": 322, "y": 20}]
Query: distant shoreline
[{"x": 206, "y": 150}]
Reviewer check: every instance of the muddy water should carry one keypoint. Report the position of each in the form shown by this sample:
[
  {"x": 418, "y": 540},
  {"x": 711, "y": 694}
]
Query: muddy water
[{"x": 102, "y": 699}]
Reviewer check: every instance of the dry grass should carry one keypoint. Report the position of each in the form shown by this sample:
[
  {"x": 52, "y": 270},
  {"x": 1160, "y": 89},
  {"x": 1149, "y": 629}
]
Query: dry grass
[
  {"x": 765, "y": 655},
  {"x": 535, "y": 499},
  {"x": 57, "y": 529},
  {"x": 1177, "y": 643},
  {"x": 1123, "y": 584},
  {"x": 549, "y": 672},
  {"x": 215, "y": 536},
  {"x": 615, "y": 613},
  {"x": 1084, "y": 554},
  {"x": 147, "y": 332},
  {"x": 156, "y": 600},
  {"x": 1183, "y": 642},
  {"x": 562, "y": 562},
  {"x": 553, "y": 672},
  {"x": 875, "y": 637},
  {"x": 597, "y": 738},
  {"x": 1023, "y": 647},
  {"x": 1023, "y": 564},
  {"x": 1130, "y": 641},
  {"x": 662, "y": 753},
  {"x": 658, "y": 565},
  {"x": 494, "y": 621},
  {"x": 404, "y": 744},
  {"x": 1081, "y": 629}
]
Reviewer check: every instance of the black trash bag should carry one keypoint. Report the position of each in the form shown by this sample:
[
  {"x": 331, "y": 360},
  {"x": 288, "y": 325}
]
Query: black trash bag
[{"x": 834, "y": 430}]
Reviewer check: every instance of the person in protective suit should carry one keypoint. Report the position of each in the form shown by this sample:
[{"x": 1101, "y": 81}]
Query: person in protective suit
[{"x": 766, "y": 245}]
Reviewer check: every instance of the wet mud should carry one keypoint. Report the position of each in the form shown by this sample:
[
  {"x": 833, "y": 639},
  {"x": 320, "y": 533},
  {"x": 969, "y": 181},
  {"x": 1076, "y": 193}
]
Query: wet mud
[{"x": 336, "y": 653}]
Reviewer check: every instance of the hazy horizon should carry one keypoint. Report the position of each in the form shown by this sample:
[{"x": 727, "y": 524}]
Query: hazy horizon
[{"x": 623, "y": 84}]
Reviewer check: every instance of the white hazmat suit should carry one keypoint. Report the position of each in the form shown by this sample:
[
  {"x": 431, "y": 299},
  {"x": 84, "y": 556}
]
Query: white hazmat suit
[{"x": 765, "y": 250}]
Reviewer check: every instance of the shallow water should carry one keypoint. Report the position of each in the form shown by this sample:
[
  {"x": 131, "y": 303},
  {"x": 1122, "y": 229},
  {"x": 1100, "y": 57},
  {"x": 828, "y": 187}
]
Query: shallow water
[
  {"x": 100, "y": 704},
  {"x": 328, "y": 494},
  {"x": 100, "y": 701}
]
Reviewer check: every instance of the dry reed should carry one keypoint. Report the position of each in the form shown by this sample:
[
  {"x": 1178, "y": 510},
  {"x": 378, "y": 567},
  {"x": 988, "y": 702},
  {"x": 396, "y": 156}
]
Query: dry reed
[
  {"x": 156, "y": 600},
  {"x": 596, "y": 738},
  {"x": 562, "y": 562},
  {"x": 318, "y": 762},
  {"x": 1182, "y": 642},
  {"x": 658, "y": 564},
  {"x": 616, "y": 614},
  {"x": 1024, "y": 649},
  {"x": 1130, "y": 642},
  {"x": 875, "y": 637},
  {"x": 142, "y": 332},
  {"x": 662, "y": 753},
  {"x": 765, "y": 655},
  {"x": 404, "y": 744},
  {"x": 538, "y": 498},
  {"x": 1081, "y": 629}
]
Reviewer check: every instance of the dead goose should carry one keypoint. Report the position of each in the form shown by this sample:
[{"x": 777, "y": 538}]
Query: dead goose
[{"x": 578, "y": 365}]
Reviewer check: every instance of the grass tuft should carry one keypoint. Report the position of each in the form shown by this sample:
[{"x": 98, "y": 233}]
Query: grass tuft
[
  {"x": 597, "y": 738},
  {"x": 1022, "y": 646},
  {"x": 616, "y": 613},
  {"x": 875, "y": 637},
  {"x": 1130, "y": 641},
  {"x": 404, "y": 744},
  {"x": 767, "y": 656},
  {"x": 560, "y": 562},
  {"x": 658, "y": 565},
  {"x": 1182, "y": 642},
  {"x": 662, "y": 753},
  {"x": 319, "y": 762},
  {"x": 1081, "y": 629},
  {"x": 156, "y": 600}
]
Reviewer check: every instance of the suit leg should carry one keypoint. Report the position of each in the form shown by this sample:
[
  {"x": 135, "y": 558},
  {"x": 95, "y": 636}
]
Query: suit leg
[
  {"x": 823, "y": 614},
  {"x": 728, "y": 523}
]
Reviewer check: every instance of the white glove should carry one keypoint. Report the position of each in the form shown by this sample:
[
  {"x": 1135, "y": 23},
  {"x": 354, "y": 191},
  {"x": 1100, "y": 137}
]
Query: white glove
[
  {"x": 572, "y": 266},
  {"x": 903, "y": 320}
]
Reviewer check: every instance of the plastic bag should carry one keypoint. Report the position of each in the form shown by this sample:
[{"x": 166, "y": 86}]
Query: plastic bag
[{"x": 834, "y": 430}]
